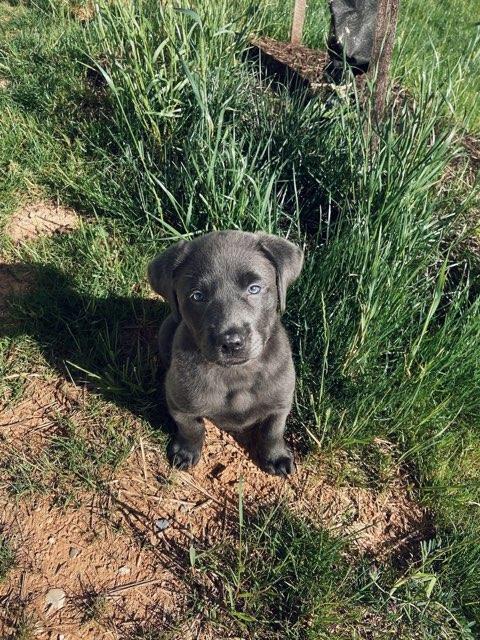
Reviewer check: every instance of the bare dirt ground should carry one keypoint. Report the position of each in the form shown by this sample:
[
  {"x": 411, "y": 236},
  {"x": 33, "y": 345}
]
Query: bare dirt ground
[
  {"x": 101, "y": 567},
  {"x": 40, "y": 219},
  {"x": 83, "y": 11},
  {"x": 307, "y": 63}
]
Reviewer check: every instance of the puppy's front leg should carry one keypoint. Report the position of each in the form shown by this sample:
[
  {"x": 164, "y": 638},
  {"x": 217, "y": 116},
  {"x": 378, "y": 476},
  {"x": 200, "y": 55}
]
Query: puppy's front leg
[
  {"x": 274, "y": 455},
  {"x": 186, "y": 447}
]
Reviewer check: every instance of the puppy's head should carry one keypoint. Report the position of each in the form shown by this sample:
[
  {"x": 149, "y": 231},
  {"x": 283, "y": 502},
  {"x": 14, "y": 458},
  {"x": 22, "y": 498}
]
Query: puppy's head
[{"x": 228, "y": 287}]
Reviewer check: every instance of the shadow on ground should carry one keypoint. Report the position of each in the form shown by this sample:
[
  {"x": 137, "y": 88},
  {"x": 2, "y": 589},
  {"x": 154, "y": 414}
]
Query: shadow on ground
[{"x": 107, "y": 343}]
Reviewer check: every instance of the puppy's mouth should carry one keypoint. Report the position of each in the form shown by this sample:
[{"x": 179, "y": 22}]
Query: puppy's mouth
[
  {"x": 230, "y": 361},
  {"x": 233, "y": 362}
]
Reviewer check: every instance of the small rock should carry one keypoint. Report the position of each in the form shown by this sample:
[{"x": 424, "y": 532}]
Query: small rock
[
  {"x": 183, "y": 508},
  {"x": 60, "y": 636},
  {"x": 74, "y": 552},
  {"x": 52, "y": 540},
  {"x": 161, "y": 524},
  {"x": 124, "y": 571},
  {"x": 55, "y": 599}
]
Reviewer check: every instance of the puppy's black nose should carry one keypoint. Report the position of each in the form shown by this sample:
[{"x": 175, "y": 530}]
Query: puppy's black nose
[{"x": 232, "y": 342}]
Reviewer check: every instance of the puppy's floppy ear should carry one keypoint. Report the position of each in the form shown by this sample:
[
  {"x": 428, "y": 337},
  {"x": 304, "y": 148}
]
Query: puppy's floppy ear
[
  {"x": 287, "y": 259},
  {"x": 161, "y": 271}
]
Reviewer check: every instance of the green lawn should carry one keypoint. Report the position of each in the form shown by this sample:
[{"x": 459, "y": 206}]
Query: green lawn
[
  {"x": 436, "y": 41},
  {"x": 152, "y": 124},
  {"x": 445, "y": 37}
]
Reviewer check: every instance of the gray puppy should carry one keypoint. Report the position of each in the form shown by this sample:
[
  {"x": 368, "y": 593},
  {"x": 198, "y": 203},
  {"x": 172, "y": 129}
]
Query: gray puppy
[{"x": 227, "y": 354}]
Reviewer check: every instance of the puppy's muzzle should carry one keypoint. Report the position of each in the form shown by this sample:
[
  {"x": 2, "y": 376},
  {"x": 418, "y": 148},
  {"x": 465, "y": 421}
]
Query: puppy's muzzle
[
  {"x": 232, "y": 343},
  {"x": 233, "y": 346}
]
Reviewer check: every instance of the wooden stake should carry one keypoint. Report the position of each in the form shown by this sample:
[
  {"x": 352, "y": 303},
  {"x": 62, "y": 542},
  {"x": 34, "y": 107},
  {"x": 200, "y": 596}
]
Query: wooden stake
[
  {"x": 382, "y": 49},
  {"x": 298, "y": 21}
]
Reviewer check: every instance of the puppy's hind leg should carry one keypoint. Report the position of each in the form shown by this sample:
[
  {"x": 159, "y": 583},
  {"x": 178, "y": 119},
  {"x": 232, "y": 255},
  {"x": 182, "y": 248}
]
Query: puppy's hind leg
[{"x": 165, "y": 339}]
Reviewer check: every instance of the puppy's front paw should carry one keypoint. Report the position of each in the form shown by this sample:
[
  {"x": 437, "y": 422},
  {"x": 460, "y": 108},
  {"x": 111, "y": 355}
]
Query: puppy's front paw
[
  {"x": 183, "y": 454},
  {"x": 278, "y": 461}
]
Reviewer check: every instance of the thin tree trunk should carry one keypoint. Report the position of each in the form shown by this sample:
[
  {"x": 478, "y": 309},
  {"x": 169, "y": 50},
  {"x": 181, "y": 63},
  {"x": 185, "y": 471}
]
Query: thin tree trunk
[
  {"x": 380, "y": 61},
  {"x": 298, "y": 21}
]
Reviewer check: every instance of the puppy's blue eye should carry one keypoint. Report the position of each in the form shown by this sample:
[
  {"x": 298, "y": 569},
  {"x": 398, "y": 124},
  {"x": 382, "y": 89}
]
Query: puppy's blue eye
[
  {"x": 254, "y": 289},
  {"x": 197, "y": 296}
]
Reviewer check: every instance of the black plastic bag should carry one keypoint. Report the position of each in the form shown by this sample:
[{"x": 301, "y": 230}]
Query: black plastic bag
[{"x": 351, "y": 36}]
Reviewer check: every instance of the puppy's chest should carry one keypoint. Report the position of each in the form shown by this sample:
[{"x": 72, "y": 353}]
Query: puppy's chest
[
  {"x": 238, "y": 400},
  {"x": 238, "y": 396},
  {"x": 230, "y": 398}
]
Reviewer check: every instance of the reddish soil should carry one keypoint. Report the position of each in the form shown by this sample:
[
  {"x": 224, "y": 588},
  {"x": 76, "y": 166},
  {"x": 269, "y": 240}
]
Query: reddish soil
[
  {"x": 120, "y": 557},
  {"x": 40, "y": 219},
  {"x": 109, "y": 563},
  {"x": 83, "y": 11}
]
